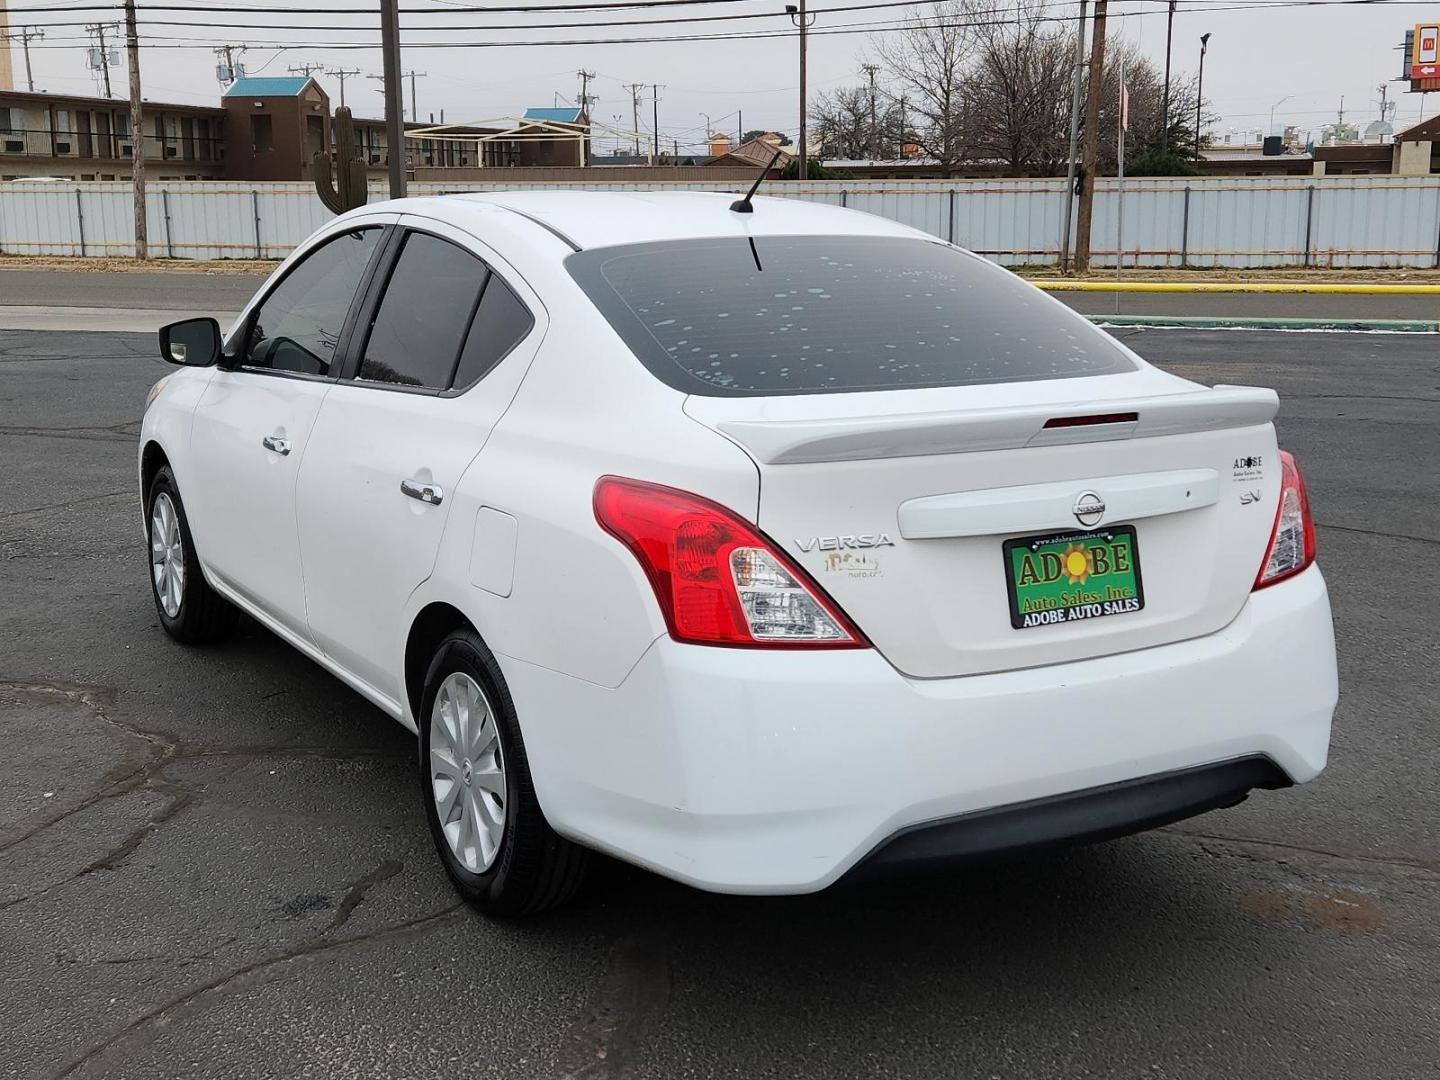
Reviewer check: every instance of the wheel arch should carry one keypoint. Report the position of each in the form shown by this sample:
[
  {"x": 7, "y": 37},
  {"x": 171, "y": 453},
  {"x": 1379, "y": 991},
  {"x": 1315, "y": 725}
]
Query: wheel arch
[
  {"x": 430, "y": 626},
  {"x": 152, "y": 459}
]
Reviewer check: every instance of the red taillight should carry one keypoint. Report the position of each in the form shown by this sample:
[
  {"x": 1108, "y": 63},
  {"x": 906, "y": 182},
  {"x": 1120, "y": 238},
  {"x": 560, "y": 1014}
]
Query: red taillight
[
  {"x": 718, "y": 580},
  {"x": 1292, "y": 538}
]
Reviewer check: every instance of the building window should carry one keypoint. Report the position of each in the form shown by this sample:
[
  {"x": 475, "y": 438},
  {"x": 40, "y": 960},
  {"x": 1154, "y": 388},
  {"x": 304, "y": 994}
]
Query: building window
[
  {"x": 64, "y": 126},
  {"x": 262, "y": 135}
]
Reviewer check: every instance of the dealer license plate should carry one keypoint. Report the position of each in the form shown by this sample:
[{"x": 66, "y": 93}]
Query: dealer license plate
[{"x": 1068, "y": 577}]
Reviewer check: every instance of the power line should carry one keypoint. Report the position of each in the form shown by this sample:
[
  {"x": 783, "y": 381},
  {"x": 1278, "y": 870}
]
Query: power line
[{"x": 187, "y": 41}]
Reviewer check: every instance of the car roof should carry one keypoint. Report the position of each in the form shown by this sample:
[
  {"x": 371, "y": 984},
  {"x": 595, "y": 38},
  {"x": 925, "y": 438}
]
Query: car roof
[{"x": 591, "y": 219}]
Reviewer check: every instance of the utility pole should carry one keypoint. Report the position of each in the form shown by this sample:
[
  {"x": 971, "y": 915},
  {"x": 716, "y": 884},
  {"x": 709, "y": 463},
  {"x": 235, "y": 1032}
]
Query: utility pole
[
  {"x": 100, "y": 54},
  {"x": 1165, "y": 120},
  {"x": 306, "y": 69},
  {"x": 635, "y": 89},
  {"x": 1092, "y": 139},
  {"x": 655, "y": 116},
  {"x": 803, "y": 20},
  {"x": 137, "y": 131},
  {"x": 1074, "y": 141},
  {"x": 342, "y": 74},
  {"x": 870, "y": 70},
  {"x": 394, "y": 118},
  {"x": 585, "y": 99},
  {"x": 229, "y": 71},
  {"x": 412, "y": 75},
  {"x": 904, "y": 123},
  {"x": 24, "y": 35}
]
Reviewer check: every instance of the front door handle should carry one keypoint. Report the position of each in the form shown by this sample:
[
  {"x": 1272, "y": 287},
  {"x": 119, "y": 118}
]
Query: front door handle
[
  {"x": 433, "y": 494},
  {"x": 277, "y": 444}
]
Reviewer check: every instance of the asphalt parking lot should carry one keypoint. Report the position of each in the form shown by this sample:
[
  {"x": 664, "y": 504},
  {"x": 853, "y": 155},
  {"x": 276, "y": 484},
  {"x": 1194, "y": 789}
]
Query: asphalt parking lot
[{"x": 213, "y": 862}]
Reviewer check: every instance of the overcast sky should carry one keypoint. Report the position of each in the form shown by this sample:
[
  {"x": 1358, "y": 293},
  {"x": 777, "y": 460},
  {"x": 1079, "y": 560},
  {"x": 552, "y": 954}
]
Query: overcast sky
[{"x": 1261, "y": 51}]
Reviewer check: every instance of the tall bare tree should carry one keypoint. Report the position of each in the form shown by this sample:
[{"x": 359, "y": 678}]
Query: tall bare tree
[
  {"x": 990, "y": 90},
  {"x": 927, "y": 63},
  {"x": 841, "y": 121}
]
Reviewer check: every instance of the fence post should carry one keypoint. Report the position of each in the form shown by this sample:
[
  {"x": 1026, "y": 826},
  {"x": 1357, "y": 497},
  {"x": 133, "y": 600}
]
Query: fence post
[
  {"x": 951, "y": 236},
  {"x": 1309, "y": 218},
  {"x": 80, "y": 216},
  {"x": 844, "y": 196},
  {"x": 255, "y": 208},
  {"x": 1185, "y": 231},
  {"x": 165, "y": 204}
]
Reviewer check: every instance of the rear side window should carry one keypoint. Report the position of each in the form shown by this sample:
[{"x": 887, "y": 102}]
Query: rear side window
[
  {"x": 423, "y": 317},
  {"x": 296, "y": 327},
  {"x": 833, "y": 314},
  {"x": 500, "y": 323}
]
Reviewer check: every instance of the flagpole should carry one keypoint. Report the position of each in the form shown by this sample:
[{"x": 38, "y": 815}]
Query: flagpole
[{"x": 1122, "y": 122}]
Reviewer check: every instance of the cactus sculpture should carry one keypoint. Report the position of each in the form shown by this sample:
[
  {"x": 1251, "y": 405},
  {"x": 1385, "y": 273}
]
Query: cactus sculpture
[{"x": 352, "y": 191}]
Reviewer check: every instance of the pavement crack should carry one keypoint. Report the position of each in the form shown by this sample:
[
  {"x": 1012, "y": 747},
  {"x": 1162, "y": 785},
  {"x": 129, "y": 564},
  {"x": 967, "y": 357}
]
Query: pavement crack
[
  {"x": 117, "y": 855},
  {"x": 1378, "y": 532},
  {"x": 67, "y": 503},
  {"x": 161, "y": 749},
  {"x": 356, "y": 890},
  {"x": 310, "y": 947},
  {"x": 1397, "y": 862},
  {"x": 633, "y": 992}
]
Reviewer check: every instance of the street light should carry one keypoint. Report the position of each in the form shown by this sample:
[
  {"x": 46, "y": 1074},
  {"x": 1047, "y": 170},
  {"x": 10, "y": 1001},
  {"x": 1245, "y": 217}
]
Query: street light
[
  {"x": 802, "y": 20},
  {"x": 1200, "y": 93},
  {"x": 1270, "y": 130}
]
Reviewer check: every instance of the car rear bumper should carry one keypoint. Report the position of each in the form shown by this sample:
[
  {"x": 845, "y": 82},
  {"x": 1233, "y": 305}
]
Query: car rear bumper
[{"x": 778, "y": 772}]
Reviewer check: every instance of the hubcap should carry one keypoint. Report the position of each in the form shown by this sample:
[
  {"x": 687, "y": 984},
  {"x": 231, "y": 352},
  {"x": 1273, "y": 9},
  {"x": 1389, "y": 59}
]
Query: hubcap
[
  {"x": 167, "y": 555},
  {"x": 467, "y": 772}
]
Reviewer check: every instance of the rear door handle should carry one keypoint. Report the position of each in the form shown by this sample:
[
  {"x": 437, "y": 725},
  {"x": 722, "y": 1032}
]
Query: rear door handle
[
  {"x": 277, "y": 444},
  {"x": 433, "y": 494}
]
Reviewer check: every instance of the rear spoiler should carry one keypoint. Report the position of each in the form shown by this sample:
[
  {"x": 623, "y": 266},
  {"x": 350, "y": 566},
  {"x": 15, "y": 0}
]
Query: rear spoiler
[{"x": 787, "y": 442}]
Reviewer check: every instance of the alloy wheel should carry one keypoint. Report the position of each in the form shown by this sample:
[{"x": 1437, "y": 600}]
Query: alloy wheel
[
  {"x": 167, "y": 555},
  {"x": 467, "y": 772}
]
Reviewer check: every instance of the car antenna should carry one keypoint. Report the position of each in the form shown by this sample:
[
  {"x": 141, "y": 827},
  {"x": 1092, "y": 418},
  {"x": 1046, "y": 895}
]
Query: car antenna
[{"x": 745, "y": 206}]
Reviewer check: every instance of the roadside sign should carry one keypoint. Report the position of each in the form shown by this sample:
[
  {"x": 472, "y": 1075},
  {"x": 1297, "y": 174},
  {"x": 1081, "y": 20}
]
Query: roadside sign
[{"x": 1425, "y": 52}]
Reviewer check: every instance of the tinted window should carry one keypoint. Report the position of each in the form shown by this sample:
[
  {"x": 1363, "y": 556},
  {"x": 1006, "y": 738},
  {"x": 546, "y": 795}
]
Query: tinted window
[
  {"x": 500, "y": 322},
  {"x": 817, "y": 314},
  {"x": 297, "y": 325},
  {"x": 420, "y": 325}
]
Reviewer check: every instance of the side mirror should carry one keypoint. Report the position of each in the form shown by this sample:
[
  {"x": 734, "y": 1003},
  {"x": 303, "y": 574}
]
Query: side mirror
[{"x": 191, "y": 342}]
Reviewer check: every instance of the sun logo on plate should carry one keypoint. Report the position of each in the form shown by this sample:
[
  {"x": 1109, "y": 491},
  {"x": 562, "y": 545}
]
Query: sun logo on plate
[{"x": 1075, "y": 564}]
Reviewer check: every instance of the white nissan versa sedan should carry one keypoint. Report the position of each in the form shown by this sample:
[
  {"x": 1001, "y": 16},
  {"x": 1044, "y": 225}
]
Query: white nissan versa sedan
[{"x": 759, "y": 544}]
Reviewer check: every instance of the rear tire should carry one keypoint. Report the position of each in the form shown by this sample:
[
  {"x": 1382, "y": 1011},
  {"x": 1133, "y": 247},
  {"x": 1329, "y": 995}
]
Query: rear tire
[
  {"x": 494, "y": 841},
  {"x": 190, "y": 610}
]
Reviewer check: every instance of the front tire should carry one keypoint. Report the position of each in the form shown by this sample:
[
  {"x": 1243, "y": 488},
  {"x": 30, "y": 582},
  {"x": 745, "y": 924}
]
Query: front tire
[
  {"x": 189, "y": 609},
  {"x": 480, "y": 804}
]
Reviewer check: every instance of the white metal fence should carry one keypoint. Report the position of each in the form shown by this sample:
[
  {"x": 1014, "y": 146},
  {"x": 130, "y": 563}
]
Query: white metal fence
[{"x": 1240, "y": 222}]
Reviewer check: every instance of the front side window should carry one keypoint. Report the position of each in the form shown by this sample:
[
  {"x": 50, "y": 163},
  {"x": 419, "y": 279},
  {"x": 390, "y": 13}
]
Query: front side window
[
  {"x": 833, "y": 314},
  {"x": 420, "y": 325},
  {"x": 297, "y": 326}
]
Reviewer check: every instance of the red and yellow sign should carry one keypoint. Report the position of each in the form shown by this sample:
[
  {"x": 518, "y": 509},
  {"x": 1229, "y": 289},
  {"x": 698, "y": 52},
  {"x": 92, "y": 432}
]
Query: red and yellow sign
[{"x": 1425, "y": 52}]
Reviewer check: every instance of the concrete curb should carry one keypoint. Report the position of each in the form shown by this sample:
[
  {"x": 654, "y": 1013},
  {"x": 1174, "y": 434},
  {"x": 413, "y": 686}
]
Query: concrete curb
[
  {"x": 1360, "y": 288},
  {"x": 1219, "y": 322}
]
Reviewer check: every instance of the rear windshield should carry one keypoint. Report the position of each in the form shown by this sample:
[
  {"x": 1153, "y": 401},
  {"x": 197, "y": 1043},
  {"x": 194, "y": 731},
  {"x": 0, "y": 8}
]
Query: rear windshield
[{"x": 827, "y": 314}]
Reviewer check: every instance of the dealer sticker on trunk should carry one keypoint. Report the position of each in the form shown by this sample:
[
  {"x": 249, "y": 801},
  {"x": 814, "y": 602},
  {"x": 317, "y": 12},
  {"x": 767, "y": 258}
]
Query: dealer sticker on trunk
[{"x": 1073, "y": 576}]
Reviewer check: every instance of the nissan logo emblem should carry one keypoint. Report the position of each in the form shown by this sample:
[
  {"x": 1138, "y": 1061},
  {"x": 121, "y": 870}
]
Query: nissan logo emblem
[{"x": 1089, "y": 509}]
